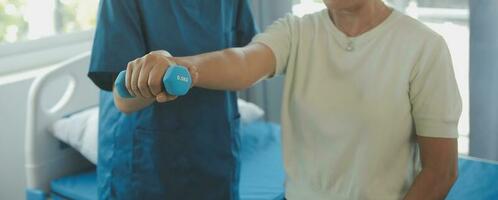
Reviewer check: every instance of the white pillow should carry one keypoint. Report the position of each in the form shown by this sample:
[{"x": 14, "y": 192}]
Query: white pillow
[
  {"x": 80, "y": 131},
  {"x": 249, "y": 112}
]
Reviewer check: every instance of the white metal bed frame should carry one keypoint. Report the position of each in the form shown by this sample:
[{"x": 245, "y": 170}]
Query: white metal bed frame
[{"x": 45, "y": 159}]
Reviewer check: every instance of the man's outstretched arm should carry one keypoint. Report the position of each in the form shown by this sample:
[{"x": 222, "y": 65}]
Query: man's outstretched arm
[{"x": 229, "y": 69}]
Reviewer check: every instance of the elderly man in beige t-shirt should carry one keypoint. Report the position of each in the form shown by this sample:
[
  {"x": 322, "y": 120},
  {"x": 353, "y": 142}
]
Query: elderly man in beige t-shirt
[{"x": 369, "y": 93}]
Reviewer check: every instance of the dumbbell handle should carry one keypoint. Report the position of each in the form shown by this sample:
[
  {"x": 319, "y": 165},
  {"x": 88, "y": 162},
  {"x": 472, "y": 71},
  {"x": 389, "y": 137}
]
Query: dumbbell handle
[{"x": 176, "y": 81}]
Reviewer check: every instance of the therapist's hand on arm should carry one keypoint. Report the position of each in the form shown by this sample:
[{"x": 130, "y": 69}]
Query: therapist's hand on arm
[
  {"x": 439, "y": 158},
  {"x": 144, "y": 82}
]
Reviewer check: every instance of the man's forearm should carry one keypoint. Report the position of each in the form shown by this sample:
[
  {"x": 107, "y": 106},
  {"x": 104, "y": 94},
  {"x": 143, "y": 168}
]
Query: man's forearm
[
  {"x": 221, "y": 69},
  {"x": 232, "y": 69}
]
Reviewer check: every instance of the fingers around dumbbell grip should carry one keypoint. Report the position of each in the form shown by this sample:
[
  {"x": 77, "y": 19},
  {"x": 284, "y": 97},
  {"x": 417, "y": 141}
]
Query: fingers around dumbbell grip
[
  {"x": 164, "y": 97},
  {"x": 176, "y": 82},
  {"x": 123, "y": 91},
  {"x": 137, "y": 68},
  {"x": 142, "y": 82},
  {"x": 155, "y": 81},
  {"x": 127, "y": 78},
  {"x": 120, "y": 85}
]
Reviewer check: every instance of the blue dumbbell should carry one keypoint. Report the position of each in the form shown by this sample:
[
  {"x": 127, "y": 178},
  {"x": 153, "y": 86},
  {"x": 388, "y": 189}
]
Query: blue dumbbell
[{"x": 176, "y": 81}]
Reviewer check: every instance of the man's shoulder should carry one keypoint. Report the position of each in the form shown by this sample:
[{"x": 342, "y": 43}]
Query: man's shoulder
[{"x": 410, "y": 26}]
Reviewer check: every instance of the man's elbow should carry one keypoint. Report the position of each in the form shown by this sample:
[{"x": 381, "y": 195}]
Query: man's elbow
[
  {"x": 245, "y": 83},
  {"x": 442, "y": 180},
  {"x": 446, "y": 179},
  {"x": 452, "y": 177}
]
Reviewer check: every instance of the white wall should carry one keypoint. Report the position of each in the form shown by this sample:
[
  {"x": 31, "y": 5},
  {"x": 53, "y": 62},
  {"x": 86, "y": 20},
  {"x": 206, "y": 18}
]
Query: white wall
[{"x": 14, "y": 88}]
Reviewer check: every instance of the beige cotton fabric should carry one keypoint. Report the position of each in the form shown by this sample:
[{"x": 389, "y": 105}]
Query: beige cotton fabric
[{"x": 349, "y": 118}]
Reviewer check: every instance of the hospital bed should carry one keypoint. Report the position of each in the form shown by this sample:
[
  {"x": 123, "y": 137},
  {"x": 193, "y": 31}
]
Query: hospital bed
[
  {"x": 46, "y": 158},
  {"x": 57, "y": 171}
]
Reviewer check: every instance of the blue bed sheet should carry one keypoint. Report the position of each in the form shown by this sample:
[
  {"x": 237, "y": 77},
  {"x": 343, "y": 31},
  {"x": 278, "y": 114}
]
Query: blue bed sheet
[
  {"x": 477, "y": 180},
  {"x": 261, "y": 176},
  {"x": 78, "y": 187},
  {"x": 262, "y": 172}
]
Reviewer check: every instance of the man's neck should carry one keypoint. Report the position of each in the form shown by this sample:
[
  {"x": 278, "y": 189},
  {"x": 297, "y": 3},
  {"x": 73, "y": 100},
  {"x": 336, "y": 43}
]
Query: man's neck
[{"x": 355, "y": 21}]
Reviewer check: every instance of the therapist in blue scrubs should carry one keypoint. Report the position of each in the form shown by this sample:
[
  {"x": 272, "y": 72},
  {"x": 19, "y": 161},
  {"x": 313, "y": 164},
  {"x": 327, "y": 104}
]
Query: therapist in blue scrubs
[{"x": 184, "y": 149}]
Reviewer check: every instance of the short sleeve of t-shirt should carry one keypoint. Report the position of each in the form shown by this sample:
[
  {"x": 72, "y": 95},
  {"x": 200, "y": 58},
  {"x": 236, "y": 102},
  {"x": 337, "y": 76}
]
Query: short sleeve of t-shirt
[
  {"x": 279, "y": 38},
  {"x": 118, "y": 40},
  {"x": 436, "y": 102}
]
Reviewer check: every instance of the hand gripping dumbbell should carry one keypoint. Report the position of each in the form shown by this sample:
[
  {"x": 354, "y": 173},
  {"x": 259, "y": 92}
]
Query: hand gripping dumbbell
[{"x": 176, "y": 81}]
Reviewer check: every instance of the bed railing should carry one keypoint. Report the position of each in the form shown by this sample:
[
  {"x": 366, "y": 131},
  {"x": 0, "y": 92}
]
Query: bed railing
[{"x": 45, "y": 158}]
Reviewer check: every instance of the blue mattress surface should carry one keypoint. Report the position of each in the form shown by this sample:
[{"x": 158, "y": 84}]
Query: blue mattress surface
[
  {"x": 78, "y": 187},
  {"x": 477, "y": 180},
  {"x": 261, "y": 174}
]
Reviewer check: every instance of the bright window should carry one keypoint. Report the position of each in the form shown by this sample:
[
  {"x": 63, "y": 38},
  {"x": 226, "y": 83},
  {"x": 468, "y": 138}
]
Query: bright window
[
  {"x": 33, "y": 19},
  {"x": 448, "y": 18}
]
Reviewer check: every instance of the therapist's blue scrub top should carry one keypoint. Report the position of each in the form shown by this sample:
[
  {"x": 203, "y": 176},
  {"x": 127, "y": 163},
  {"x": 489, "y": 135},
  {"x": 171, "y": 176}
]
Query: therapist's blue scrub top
[{"x": 180, "y": 150}]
